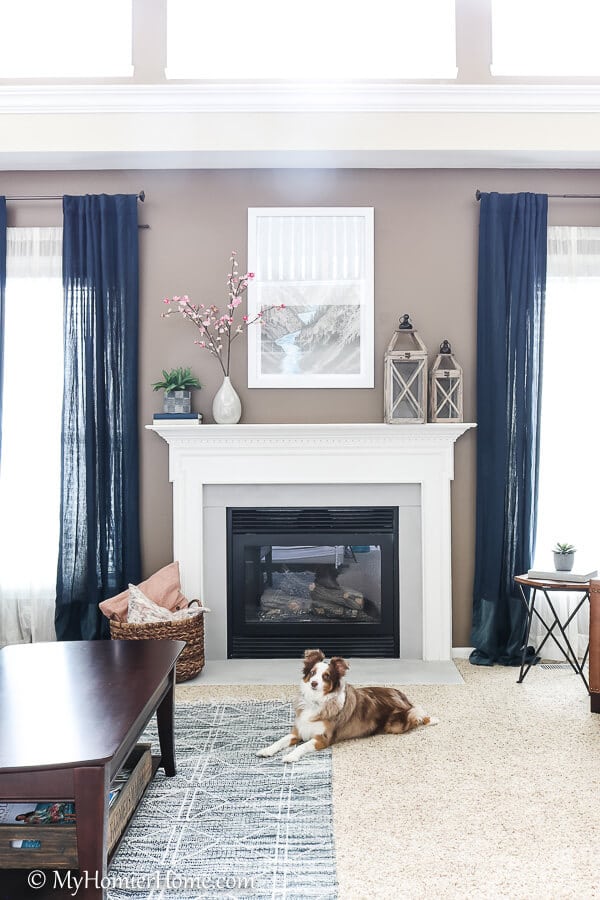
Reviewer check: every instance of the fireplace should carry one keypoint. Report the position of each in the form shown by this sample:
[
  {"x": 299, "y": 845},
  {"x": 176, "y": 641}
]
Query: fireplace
[
  {"x": 408, "y": 466},
  {"x": 312, "y": 576}
]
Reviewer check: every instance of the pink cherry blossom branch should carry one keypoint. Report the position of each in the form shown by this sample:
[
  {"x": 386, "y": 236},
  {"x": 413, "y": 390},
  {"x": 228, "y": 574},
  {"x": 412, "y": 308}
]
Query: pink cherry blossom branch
[{"x": 209, "y": 320}]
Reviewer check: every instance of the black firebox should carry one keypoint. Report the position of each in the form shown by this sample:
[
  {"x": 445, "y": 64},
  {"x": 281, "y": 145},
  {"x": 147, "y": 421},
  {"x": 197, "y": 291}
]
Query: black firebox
[{"x": 300, "y": 577}]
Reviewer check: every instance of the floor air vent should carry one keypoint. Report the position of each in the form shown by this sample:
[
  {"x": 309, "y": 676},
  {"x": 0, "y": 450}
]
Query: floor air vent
[{"x": 555, "y": 666}]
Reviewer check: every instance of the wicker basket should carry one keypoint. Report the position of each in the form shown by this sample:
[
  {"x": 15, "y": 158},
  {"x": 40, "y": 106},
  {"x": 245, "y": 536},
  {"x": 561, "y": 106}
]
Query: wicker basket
[
  {"x": 140, "y": 763},
  {"x": 191, "y": 630}
]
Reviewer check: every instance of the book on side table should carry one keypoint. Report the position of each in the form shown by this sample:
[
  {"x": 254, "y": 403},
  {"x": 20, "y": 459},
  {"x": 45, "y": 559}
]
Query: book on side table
[{"x": 579, "y": 577}]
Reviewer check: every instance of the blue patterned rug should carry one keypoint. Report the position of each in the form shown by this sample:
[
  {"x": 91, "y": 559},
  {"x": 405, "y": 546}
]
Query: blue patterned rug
[{"x": 229, "y": 824}]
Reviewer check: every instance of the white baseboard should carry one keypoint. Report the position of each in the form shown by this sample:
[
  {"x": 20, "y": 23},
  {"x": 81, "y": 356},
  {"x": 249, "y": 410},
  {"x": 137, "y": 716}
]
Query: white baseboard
[{"x": 461, "y": 652}]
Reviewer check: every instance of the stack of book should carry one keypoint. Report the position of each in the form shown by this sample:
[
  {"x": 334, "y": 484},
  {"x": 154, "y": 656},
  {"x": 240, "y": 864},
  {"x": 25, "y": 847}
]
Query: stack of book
[
  {"x": 579, "y": 577},
  {"x": 178, "y": 417}
]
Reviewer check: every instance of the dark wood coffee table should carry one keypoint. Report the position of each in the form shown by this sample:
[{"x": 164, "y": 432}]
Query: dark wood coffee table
[{"x": 70, "y": 714}]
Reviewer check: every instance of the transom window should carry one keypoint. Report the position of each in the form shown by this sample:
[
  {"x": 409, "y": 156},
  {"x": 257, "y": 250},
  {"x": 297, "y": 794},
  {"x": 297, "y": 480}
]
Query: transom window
[
  {"x": 316, "y": 39},
  {"x": 65, "y": 38},
  {"x": 545, "y": 37}
]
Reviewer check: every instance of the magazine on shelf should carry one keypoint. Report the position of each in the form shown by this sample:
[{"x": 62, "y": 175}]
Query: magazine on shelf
[
  {"x": 10, "y": 813},
  {"x": 578, "y": 577},
  {"x": 33, "y": 813},
  {"x": 63, "y": 813}
]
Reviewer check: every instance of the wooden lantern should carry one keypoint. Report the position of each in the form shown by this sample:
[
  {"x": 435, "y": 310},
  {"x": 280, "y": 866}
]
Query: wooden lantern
[
  {"x": 445, "y": 387},
  {"x": 405, "y": 382}
]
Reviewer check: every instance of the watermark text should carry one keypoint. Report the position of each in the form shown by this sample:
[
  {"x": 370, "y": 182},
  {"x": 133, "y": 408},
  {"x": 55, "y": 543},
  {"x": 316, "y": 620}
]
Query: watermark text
[{"x": 74, "y": 882}]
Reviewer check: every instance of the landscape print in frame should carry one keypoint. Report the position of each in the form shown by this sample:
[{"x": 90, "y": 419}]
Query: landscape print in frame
[{"x": 318, "y": 262}]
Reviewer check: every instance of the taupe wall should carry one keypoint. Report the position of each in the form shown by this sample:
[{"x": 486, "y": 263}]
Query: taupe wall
[{"x": 425, "y": 264}]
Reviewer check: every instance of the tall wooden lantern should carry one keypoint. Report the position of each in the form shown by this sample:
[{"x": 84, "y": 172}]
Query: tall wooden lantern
[
  {"x": 445, "y": 387},
  {"x": 405, "y": 382}
]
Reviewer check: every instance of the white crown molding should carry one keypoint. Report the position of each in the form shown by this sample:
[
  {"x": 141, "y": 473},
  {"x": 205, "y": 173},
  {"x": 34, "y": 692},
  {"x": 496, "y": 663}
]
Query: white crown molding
[
  {"x": 298, "y": 97},
  {"x": 160, "y": 126},
  {"x": 401, "y": 158}
]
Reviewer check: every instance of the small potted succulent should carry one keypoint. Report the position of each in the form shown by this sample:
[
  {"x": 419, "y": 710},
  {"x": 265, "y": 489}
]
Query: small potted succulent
[
  {"x": 564, "y": 556},
  {"x": 177, "y": 385}
]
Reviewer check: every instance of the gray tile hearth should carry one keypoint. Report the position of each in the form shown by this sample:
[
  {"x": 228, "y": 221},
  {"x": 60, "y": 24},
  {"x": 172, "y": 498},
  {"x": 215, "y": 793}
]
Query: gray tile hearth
[{"x": 362, "y": 671}]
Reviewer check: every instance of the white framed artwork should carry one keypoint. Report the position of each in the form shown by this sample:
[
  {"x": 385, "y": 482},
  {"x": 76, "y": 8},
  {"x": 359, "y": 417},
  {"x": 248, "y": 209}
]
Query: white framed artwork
[{"x": 319, "y": 263}]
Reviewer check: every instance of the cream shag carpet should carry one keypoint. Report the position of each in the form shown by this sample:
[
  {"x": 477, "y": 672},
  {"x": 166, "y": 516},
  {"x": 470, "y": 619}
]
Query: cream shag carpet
[{"x": 501, "y": 799}]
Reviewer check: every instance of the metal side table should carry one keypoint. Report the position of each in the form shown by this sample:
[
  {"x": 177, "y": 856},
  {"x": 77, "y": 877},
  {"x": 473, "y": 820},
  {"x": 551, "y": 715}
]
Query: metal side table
[{"x": 547, "y": 588}]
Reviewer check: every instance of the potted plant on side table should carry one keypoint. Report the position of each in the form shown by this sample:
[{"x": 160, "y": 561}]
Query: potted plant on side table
[
  {"x": 177, "y": 385},
  {"x": 564, "y": 557}
]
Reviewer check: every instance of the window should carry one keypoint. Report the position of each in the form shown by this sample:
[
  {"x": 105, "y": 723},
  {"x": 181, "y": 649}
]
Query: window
[
  {"x": 336, "y": 39},
  {"x": 31, "y": 429},
  {"x": 569, "y": 488},
  {"x": 65, "y": 39},
  {"x": 545, "y": 37}
]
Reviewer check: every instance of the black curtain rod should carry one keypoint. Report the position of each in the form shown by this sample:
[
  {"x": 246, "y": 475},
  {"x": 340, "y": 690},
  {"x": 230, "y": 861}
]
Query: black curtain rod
[
  {"x": 141, "y": 197},
  {"x": 558, "y": 196}
]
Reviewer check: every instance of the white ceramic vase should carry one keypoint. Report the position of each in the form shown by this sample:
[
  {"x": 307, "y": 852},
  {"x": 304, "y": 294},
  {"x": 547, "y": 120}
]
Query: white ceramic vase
[{"x": 227, "y": 406}]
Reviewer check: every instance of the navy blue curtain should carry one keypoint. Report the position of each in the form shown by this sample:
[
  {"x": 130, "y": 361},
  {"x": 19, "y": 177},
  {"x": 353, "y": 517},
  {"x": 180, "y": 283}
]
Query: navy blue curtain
[
  {"x": 510, "y": 316},
  {"x": 99, "y": 540},
  {"x": 2, "y": 289}
]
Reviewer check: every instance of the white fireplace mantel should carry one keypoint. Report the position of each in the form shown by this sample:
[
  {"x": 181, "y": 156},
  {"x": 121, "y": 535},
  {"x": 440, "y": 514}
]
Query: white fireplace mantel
[{"x": 200, "y": 455}]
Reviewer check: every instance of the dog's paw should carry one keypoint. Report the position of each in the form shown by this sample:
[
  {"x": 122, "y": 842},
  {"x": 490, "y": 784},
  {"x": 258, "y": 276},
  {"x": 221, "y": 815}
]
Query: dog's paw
[
  {"x": 291, "y": 757},
  {"x": 266, "y": 751},
  {"x": 433, "y": 720}
]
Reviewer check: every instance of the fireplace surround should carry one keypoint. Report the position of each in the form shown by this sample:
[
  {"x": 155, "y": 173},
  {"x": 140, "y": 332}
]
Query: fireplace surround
[{"x": 352, "y": 458}]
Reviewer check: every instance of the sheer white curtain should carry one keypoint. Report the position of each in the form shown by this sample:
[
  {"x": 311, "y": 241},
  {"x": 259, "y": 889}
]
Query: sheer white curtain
[
  {"x": 569, "y": 496},
  {"x": 30, "y": 468}
]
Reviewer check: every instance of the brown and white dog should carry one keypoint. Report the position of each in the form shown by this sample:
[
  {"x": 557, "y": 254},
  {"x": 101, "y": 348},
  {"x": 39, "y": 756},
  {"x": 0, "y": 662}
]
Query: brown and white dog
[{"x": 330, "y": 710}]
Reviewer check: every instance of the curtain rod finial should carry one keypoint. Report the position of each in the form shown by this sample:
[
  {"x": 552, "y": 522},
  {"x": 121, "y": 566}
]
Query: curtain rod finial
[
  {"x": 478, "y": 194},
  {"x": 142, "y": 196}
]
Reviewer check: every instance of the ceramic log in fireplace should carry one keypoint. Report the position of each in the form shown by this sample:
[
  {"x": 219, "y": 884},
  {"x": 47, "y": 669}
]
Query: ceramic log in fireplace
[{"x": 316, "y": 576}]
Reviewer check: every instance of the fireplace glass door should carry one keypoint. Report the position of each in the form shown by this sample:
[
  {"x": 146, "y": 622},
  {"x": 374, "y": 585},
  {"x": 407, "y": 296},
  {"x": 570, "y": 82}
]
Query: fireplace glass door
[{"x": 294, "y": 586}]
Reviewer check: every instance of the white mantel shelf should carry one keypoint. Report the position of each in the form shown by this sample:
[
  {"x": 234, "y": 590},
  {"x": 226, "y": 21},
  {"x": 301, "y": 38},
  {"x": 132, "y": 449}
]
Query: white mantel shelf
[
  {"x": 241, "y": 440},
  {"x": 370, "y": 453}
]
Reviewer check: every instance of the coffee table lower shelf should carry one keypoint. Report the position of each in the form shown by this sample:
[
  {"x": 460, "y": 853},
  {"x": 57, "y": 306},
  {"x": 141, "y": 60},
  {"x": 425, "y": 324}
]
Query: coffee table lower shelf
[{"x": 58, "y": 843}]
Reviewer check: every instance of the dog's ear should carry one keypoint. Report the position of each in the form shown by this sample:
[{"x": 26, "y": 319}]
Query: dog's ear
[
  {"x": 339, "y": 666},
  {"x": 311, "y": 657}
]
